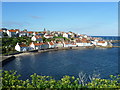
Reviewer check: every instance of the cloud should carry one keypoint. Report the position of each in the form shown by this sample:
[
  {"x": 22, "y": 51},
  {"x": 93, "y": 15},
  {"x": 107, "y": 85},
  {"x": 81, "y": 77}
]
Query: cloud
[{"x": 35, "y": 17}]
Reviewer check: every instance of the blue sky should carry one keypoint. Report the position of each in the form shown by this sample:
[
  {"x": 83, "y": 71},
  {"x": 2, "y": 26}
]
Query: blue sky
[{"x": 91, "y": 18}]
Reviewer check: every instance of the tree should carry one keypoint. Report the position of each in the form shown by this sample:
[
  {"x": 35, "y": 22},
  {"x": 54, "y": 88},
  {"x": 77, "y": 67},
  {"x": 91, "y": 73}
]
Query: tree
[
  {"x": 5, "y": 34},
  {"x": 25, "y": 30}
]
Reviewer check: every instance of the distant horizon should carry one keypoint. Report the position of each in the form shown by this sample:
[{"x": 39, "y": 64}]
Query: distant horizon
[{"x": 90, "y": 18}]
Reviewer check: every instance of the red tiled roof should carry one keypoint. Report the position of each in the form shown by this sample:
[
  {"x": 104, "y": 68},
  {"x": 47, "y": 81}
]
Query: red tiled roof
[
  {"x": 84, "y": 39},
  {"x": 36, "y": 32},
  {"x": 30, "y": 32},
  {"x": 51, "y": 43},
  {"x": 68, "y": 43},
  {"x": 101, "y": 41},
  {"x": 44, "y": 32},
  {"x": 37, "y": 37},
  {"x": 45, "y": 43},
  {"x": 23, "y": 45},
  {"x": 38, "y": 44},
  {"x": 12, "y": 30},
  {"x": 17, "y": 30},
  {"x": 1, "y": 30},
  {"x": 81, "y": 35},
  {"x": 59, "y": 42}
]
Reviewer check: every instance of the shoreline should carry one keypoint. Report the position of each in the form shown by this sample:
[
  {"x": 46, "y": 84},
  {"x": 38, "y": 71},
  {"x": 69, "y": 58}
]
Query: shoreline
[
  {"x": 8, "y": 58},
  {"x": 57, "y": 49}
]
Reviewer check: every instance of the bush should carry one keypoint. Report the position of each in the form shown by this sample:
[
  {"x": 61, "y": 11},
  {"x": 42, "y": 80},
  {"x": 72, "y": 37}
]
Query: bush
[{"x": 10, "y": 79}]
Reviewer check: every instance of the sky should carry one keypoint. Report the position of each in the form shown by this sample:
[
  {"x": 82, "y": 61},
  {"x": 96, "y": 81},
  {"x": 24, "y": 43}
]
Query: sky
[{"x": 91, "y": 18}]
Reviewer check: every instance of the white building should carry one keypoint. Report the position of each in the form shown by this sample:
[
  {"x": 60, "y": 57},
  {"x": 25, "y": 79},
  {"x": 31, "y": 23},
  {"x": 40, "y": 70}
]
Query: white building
[
  {"x": 51, "y": 44},
  {"x": 35, "y": 46},
  {"x": 59, "y": 44},
  {"x": 21, "y": 47},
  {"x": 48, "y": 36},
  {"x": 37, "y": 38},
  {"x": 30, "y": 33},
  {"x": 22, "y": 33},
  {"x": 85, "y": 36},
  {"x": 69, "y": 44},
  {"x": 84, "y": 43},
  {"x": 65, "y": 35},
  {"x": 102, "y": 43},
  {"x": 73, "y": 45},
  {"x": 94, "y": 42},
  {"x": 12, "y": 33},
  {"x": 45, "y": 46}
]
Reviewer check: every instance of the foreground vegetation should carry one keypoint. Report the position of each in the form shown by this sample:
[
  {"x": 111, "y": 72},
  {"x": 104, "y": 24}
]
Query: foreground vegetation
[{"x": 10, "y": 79}]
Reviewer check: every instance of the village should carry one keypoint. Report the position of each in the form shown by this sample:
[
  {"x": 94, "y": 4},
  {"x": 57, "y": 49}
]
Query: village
[{"x": 52, "y": 39}]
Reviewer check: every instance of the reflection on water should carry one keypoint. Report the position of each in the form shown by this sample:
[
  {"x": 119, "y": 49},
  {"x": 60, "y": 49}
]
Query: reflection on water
[
  {"x": 18, "y": 63},
  {"x": 67, "y": 62}
]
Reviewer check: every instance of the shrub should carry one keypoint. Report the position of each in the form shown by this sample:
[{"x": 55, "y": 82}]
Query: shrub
[{"x": 10, "y": 79}]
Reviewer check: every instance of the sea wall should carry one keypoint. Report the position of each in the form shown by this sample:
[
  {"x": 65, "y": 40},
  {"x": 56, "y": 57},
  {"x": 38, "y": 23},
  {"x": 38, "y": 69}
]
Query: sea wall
[{"x": 6, "y": 59}]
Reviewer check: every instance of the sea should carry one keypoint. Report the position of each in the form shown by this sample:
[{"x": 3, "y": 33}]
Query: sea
[{"x": 97, "y": 61}]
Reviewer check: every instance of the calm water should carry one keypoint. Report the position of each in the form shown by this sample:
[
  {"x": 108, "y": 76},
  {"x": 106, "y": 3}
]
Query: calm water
[{"x": 67, "y": 62}]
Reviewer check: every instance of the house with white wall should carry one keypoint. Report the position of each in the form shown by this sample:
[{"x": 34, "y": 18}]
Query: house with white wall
[
  {"x": 35, "y": 46},
  {"x": 94, "y": 42},
  {"x": 30, "y": 33},
  {"x": 21, "y": 47},
  {"x": 12, "y": 33},
  {"x": 73, "y": 45},
  {"x": 66, "y": 44},
  {"x": 84, "y": 43},
  {"x": 51, "y": 44},
  {"x": 48, "y": 36},
  {"x": 102, "y": 43},
  {"x": 45, "y": 46},
  {"x": 37, "y": 38},
  {"x": 22, "y": 33},
  {"x": 65, "y": 35},
  {"x": 59, "y": 44}
]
